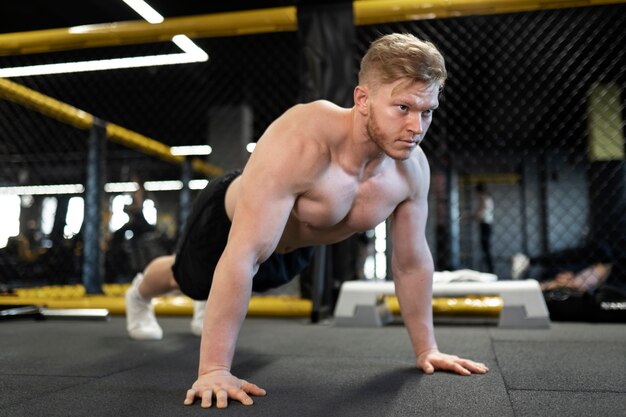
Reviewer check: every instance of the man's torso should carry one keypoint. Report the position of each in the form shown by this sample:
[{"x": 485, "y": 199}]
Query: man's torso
[
  {"x": 339, "y": 205},
  {"x": 341, "y": 200}
]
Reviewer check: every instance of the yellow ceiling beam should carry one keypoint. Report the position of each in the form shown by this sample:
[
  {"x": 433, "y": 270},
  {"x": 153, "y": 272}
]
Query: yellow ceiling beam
[
  {"x": 138, "y": 32},
  {"x": 80, "y": 119},
  {"x": 282, "y": 19},
  {"x": 370, "y": 12}
]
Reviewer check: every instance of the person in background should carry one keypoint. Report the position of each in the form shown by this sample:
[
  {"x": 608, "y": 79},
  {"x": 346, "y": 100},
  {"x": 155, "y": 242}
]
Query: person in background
[
  {"x": 582, "y": 268},
  {"x": 484, "y": 216}
]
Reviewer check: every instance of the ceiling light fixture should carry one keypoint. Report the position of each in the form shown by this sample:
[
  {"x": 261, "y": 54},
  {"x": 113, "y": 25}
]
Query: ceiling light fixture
[
  {"x": 191, "y": 150},
  {"x": 250, "y": 147},
  {"x": 191, "y": 53},
  {"x": 144, "y": 10},
  {"x": 111, "y": 187},
  {"x": 43, "y": 189},
  {"x": 121, "y": 187}
]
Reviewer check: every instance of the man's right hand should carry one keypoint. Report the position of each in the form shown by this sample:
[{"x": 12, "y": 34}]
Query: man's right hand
[{"x": 221, "y": 385}]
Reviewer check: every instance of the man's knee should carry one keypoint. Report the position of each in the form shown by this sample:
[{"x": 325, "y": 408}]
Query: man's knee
[{"x": 161, "y": 266}]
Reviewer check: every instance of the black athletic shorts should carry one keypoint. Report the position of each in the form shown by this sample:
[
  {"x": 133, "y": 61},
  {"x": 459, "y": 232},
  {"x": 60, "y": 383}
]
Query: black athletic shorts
[{"x": 204, "y": 240}]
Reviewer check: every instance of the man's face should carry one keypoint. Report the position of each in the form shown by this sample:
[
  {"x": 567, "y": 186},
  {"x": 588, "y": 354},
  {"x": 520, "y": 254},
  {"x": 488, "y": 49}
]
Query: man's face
[{"x": 400, "y": 114}]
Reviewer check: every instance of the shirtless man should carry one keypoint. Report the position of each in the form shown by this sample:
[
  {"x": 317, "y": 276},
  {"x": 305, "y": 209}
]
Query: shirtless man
[{"x": 319, "y": 174}]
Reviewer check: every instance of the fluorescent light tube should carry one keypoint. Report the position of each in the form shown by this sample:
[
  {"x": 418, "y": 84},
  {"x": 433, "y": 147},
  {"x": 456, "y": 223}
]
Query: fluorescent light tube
[
  {"x": 198, "y": 184},
  {"x": 121, "y": 187},
  {"x": 191, "y": 53},
  {"x": 191, "y": 150},
  {"x": 144, "y": 10},
  {"x": 172, "y": 185},
  {"x": 43, "y": 189},
  {"x": 111, "y": 187}
]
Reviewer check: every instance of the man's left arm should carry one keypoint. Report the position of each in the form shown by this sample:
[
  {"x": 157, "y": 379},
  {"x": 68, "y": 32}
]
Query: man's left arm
[{"x": 412, "y": 266}]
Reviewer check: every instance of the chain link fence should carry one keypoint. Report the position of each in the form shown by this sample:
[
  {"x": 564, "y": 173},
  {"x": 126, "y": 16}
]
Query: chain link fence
[
  {"x": 533, "y": 110},
  {"x": 225, "y": 102}
]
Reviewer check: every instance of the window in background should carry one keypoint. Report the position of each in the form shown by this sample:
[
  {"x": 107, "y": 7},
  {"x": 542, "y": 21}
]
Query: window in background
[
  {"x": 150, "y": 211},
  {"x": 119, "y": 217},
  {"x": 74, "y": 217},
  {"x": 48, "y": 212},
  {"x": 10, "y": 207},
  {"x": 376, "y": 266}
]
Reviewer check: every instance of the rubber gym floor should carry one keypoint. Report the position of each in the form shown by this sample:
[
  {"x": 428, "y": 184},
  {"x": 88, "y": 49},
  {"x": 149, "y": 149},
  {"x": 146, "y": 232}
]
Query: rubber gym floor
[{"x": 64, "y": 368}]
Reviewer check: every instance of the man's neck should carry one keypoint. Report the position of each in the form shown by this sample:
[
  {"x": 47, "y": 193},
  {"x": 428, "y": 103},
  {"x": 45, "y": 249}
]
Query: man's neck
[{"x": 361, "y": 156}]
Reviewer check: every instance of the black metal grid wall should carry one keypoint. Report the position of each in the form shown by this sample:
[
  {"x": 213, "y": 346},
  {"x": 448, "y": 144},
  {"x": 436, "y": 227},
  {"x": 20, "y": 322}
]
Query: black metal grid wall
[
  {"x": 515, "y": 115},
  {"x": 176, "y": 105}
]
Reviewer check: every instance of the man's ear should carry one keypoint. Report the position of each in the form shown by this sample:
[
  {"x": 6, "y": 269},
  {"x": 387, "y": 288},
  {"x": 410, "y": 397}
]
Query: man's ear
[{"x": 361, "y": 99}]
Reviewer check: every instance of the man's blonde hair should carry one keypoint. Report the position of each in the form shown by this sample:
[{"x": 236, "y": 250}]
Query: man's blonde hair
[{"x": 402, "y": 56}]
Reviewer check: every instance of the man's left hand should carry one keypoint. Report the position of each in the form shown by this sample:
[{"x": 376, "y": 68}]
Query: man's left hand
[{"x": 433, "y": 360}]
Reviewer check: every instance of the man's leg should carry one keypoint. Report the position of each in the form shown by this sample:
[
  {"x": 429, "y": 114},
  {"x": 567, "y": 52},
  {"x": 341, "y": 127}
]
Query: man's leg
[
  {"x": 574, "y": 259},
  {"x": 485, "y": 243},
  {"x": 157, "y": 279}
]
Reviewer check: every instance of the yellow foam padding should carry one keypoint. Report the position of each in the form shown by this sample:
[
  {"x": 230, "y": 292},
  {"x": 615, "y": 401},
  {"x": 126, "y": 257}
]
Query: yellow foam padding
[
  {"x": 74, "y": 296},
  {"x": 468, "y": 306},
  {"x": 80, "y": 119},
  {"x": 248, "y": 22}
]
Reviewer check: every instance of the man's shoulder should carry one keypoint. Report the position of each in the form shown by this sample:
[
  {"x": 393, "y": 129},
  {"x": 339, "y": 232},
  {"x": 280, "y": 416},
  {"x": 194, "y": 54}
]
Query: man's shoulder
[
  {"x": 318, "y": 120},
  {"x": 415, "y": 165},
  {"x": 322, "y": 105},
  {"x": 317, "y": 108},
  {"x": 415, "y": 172}
]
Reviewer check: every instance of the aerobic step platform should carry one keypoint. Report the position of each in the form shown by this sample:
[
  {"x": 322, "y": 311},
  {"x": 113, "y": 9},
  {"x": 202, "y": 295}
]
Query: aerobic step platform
[{"x": 361, "y": 303}]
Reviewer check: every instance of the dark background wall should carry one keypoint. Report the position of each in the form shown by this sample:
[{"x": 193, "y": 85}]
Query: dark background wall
[{"x": 514, "y": 114}]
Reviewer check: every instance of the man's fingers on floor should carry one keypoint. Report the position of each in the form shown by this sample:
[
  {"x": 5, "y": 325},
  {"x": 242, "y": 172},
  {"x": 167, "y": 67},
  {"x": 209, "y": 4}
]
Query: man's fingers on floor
[
  {"x": 207, "y": 397},
  {"x": 240, "y": 395},
  {"x": 190, "y": 397},
  {"x": 252, "y": 389},
  {"x": 459, "y": 369},
  {"x": 478, "y": 368},
  {"x": 428, "y": 368},
  {"x": 221, "y": 399}
]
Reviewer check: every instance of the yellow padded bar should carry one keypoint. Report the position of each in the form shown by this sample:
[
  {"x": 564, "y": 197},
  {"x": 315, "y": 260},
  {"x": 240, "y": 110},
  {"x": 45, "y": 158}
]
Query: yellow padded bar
[
  {"x": 80, "y": 119},
  {"x": 137, "y": 32},
  {"x": 282, "y": 19},
  {"x": 467, "y": 306},
  {"x": 74, "y": 296},
  {"x": 45, "y": 105},
  {"x": 369, "y": 12}
]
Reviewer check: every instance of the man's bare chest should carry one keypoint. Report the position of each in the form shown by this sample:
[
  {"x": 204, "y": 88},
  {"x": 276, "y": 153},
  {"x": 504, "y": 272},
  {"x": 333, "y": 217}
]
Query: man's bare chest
[{"x": 353, "y": 206}]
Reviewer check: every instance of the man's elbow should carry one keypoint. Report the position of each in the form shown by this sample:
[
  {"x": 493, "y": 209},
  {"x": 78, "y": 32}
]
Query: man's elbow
[{"x": 421, "y": 271}]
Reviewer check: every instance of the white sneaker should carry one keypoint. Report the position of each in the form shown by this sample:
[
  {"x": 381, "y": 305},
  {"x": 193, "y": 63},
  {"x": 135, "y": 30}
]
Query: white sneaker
[
  {"x": 197, "y": 321},
  {"x": 519, "y": 264},
  {"x": 141, "y": 322}
]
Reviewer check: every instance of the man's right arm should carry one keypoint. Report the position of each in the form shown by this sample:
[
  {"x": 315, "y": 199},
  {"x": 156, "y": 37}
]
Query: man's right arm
[
  {"x": 281, "y": 168},
  {"x": 251, "y": 241}
]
